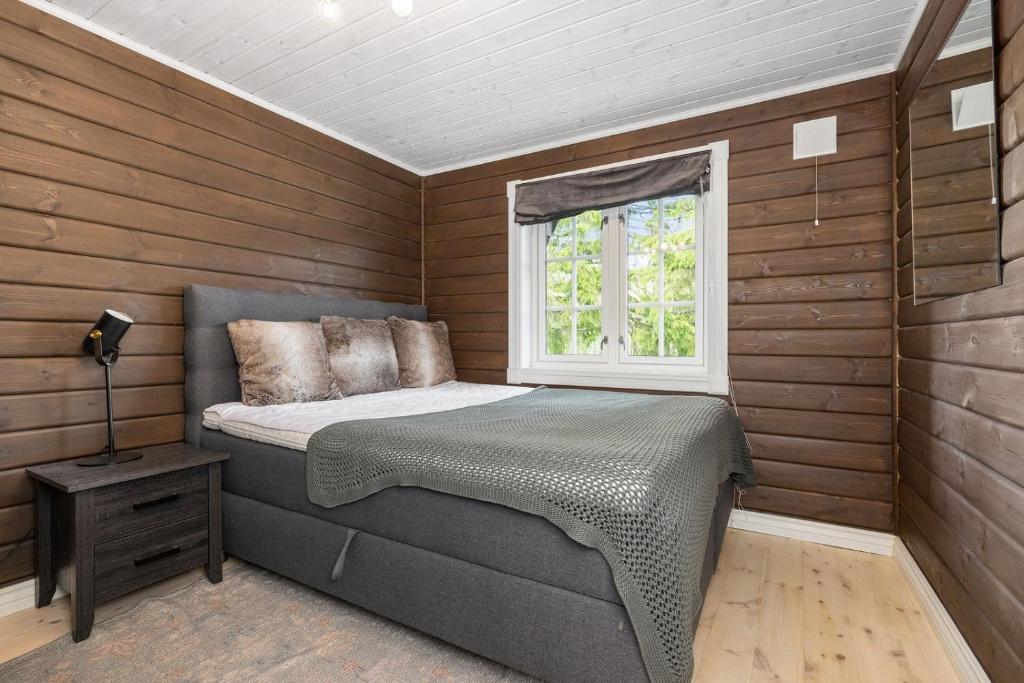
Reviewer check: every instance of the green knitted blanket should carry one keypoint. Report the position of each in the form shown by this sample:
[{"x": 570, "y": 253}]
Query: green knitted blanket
[{"x": 634, "y": 476}]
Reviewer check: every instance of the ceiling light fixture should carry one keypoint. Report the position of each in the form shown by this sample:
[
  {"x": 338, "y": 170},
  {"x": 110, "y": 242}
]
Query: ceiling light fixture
[
  {"x": 330, "y": 10},
  {"x": 402, "y": 8}
]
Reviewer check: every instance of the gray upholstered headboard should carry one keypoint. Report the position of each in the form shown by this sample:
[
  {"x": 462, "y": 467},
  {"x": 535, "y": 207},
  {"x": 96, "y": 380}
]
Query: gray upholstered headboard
[{"x": 211, "y": 372}]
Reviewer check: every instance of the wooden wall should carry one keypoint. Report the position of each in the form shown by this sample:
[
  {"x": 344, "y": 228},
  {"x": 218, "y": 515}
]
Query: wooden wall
[
  {"x": 961, "y": 386},
  {"x": 122, "y": 180},
  {"x": 810, "y": 309},
  {"x": 956, "y": 236}
]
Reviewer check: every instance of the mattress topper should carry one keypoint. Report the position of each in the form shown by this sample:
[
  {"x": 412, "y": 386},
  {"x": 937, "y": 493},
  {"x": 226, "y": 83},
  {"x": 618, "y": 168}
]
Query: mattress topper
[{"x": 291, "y": 424}]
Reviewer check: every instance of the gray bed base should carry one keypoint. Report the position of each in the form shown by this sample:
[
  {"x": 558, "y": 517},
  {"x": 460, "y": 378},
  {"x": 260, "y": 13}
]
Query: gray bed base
[{"x": 547, "y": 631}]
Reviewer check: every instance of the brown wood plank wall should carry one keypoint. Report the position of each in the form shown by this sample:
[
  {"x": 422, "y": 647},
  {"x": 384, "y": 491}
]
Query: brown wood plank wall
[
  {"x": 810, "y": 309},
  {"x": 122, "y": 180},
  {"x": 951, "y": 176},
  {"x": 961, "y": 385}
]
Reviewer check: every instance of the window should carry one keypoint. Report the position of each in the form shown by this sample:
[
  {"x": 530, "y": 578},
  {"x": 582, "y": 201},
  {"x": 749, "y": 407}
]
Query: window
[
  {"x": 631, "y": 296},
  {"x": 660, "y": 239},
  {"x": 572, "y": 255}
]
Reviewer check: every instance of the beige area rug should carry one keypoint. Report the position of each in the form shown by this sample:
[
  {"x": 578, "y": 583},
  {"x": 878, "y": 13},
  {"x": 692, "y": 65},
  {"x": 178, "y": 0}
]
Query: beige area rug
[{"x": 253, "y": 626}]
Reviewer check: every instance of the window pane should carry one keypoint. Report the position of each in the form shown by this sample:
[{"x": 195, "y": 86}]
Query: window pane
[
  {"x": 680, "y": 221},
  {"x": 559, "y": 332},
  {"x": 588, "y": 332},
  {"x": 588, "y": 283},
  {"x": 680, "y": 275},
  {"x": 642, "y": 225},
  {"x": 680, "y": 338},
  {"x": 643, "y": 331},
  {"x": 560, "y": 239},
  {"x": 588, "y": 233},
  {"x": 559, "y": 283},
  {"x": 642, "y": 278}
]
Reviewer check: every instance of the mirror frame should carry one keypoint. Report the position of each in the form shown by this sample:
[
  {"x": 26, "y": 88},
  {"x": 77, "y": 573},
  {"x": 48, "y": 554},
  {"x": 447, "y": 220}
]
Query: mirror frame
[{"x": 996, "y": 162}]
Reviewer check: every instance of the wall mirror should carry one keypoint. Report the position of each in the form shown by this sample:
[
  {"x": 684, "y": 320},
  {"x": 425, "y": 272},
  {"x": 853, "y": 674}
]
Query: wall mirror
[{"x": 954, "y": 165}]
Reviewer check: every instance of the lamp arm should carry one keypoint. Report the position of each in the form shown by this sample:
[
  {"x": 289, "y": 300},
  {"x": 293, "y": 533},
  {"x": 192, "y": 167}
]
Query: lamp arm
[
  {"x": 108, "y": 358},
  {"x": 97, "y": 345}
]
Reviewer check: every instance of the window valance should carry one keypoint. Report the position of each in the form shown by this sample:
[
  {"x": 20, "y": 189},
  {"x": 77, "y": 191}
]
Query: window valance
[{"x": 542, "y": 201}]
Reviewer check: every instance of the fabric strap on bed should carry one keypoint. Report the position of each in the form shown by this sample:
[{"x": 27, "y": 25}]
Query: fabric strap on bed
[
  {"x": 339, "y": 564},
  {"x": 634, "y": 476}
]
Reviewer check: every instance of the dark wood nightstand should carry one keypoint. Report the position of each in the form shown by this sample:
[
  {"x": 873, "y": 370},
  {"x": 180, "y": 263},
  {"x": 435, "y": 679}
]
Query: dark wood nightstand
[{"x": 105, "y": 531}]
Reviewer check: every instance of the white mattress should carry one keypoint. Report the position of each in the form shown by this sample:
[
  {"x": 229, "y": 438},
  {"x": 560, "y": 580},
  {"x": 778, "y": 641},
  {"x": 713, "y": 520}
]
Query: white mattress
[{"x": 291, "y": 424}]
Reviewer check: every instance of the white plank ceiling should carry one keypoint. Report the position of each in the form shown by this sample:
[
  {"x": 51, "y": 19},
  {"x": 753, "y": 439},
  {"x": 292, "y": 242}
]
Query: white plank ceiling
[
  {"x": 974, "y": 30},
  {"x": 462, "y": 81}
]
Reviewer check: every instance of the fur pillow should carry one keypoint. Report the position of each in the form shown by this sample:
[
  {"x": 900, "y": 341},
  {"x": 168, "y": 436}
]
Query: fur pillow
[
  {"x": 361, "y": 354},
  {"x": 281, "y": 362},
  {"x": 424, "y": 353}
]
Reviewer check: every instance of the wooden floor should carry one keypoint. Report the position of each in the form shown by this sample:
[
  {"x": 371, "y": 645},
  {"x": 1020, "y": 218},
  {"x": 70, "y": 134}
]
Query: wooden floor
[
  {"x": 776, "y": 610},
  {"x": 785, "y": 610}
]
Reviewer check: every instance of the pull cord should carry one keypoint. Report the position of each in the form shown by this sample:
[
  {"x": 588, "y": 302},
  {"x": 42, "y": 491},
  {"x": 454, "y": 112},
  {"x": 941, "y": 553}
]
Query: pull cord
[{"x": 815, "y": 189}]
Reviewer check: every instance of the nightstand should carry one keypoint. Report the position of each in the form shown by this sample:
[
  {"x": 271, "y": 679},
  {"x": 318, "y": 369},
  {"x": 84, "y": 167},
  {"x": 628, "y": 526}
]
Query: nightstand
[{"x": 105, "y": 531}]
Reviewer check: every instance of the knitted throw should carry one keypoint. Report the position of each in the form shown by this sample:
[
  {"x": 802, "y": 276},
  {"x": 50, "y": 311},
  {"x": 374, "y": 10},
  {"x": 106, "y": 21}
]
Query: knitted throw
[{"x": 634, "y": 476}]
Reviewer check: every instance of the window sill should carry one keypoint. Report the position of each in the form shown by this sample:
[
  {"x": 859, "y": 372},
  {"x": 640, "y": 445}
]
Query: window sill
[{"x": 668, "y": 380}]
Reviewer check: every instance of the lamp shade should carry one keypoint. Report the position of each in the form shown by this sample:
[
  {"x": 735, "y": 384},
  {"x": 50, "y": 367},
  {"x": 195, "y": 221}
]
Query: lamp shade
[{"x": 111, "y": 326}]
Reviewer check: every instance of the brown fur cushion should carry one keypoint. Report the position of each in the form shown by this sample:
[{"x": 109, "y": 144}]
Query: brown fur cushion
[
  {"x": 424, "y": 353},
  {"x": 281, "y": 362},
  {"x": 361, "y": 354}
]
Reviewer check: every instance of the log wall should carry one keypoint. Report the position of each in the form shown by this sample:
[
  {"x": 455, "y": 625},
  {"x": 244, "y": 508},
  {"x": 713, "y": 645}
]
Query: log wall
[
  {"x": 810, "y": 309},
  {"x": 121, "y": 181},
  {"x": 961, "y": 383}
]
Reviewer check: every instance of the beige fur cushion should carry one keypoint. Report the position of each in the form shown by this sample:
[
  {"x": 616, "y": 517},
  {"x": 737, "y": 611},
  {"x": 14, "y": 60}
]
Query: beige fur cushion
[
  {"x": 361, "y": 354},
  {"x": 281, "y": 362},
  {"x": 424, "y": 353}
]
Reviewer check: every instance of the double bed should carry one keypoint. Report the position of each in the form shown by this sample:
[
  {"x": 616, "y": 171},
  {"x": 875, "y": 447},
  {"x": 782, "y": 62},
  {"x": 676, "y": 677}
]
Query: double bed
[{"x": 500, "y": 582}]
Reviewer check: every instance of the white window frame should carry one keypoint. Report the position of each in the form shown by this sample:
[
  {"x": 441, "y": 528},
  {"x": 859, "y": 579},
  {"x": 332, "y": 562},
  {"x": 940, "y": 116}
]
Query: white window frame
[{"x": 706, "y": 373}]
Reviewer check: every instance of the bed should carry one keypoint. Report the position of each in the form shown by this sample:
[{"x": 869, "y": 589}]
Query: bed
[{"x": 507, "y": 585}]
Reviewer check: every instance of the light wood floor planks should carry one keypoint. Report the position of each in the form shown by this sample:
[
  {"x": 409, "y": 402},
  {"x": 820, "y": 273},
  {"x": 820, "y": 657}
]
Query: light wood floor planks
[
  {"x": 792, "y": 611},
  {"x": 777, "y": 610}
]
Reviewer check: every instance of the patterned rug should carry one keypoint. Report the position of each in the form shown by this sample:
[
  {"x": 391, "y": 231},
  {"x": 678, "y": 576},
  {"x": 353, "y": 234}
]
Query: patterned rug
[{"x": 253, "y": 626}]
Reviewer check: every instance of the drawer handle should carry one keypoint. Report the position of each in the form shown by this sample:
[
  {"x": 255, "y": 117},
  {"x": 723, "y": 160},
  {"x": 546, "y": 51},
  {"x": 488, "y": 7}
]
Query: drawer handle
[
  {"x": 156, "y": 501},
  {"x": 158, "y": 556}
]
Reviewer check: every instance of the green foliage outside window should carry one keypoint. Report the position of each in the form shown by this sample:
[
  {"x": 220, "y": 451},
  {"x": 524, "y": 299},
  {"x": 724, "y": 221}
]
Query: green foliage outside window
[
  {"x": 660, "y": 280},
  {"x": 574, "y": 254}
]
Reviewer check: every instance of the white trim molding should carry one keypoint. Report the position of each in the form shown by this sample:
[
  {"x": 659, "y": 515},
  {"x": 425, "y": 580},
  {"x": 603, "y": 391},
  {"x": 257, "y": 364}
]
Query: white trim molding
[
  {"x": 848, "y": 537},
  {"x": 877, "y": 543},
  {"x": 20, "y": 596},
  {"x": 709, "y": 374},
  {"x": 960, "y": 654},
  {"x": 665, "y": 119},
  {"x": 561, "y": 141}
]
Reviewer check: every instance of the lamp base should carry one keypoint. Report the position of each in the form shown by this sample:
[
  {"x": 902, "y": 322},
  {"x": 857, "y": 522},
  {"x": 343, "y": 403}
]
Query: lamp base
[{"x": 104, "y": 459}]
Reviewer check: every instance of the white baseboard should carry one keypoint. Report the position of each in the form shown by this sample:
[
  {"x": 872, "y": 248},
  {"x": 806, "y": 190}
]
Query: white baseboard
[
  {"x": 851, "y": 538},
  {"x": 21, "y": 595},
  {"x": 960, "y": 654}
]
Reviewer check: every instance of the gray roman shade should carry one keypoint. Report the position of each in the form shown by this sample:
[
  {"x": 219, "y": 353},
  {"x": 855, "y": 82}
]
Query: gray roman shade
[{"x": 547, "y": 200}]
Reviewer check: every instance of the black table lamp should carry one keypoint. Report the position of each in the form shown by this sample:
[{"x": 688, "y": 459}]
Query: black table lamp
[{"x": 102, "y": 343}]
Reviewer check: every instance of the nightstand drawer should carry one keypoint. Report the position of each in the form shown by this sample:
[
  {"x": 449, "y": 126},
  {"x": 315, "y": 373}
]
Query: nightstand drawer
[
  {"x": 134, "y": 506},
  {"x": 144, "y": 558}
]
